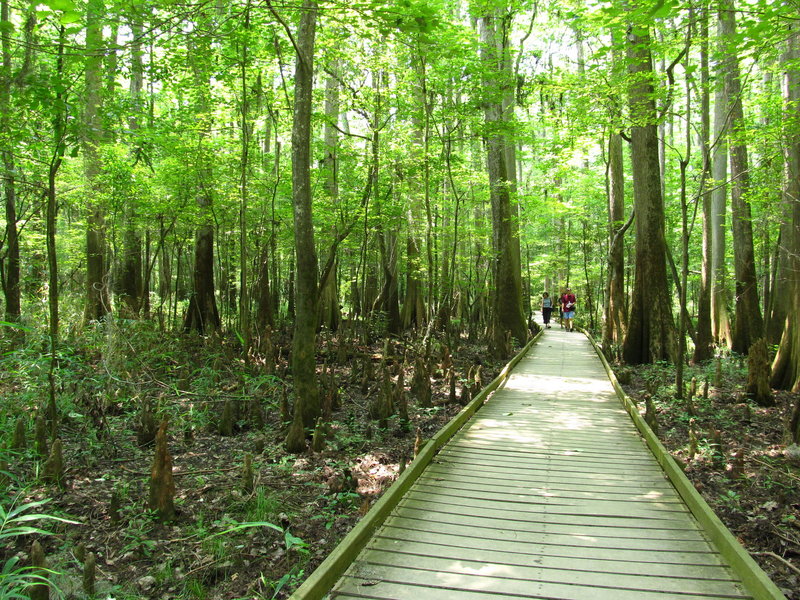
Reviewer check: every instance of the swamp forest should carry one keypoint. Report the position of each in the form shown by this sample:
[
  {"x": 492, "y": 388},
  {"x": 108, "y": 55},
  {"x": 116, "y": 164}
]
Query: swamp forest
[{"x": 255, "y": 253}]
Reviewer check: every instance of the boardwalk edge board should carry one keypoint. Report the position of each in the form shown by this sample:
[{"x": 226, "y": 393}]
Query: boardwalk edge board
[
  {"x": 754, "y": 579},
  {"x": 333, "y": 567}
]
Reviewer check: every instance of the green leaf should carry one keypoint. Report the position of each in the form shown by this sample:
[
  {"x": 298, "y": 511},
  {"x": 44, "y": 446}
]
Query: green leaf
[
  {"x": 65, "y": 5},
  {"x": 70, "y": 17}
]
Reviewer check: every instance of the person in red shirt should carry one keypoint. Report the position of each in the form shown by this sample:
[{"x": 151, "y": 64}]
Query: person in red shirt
[{"x": 568, "y": 308}]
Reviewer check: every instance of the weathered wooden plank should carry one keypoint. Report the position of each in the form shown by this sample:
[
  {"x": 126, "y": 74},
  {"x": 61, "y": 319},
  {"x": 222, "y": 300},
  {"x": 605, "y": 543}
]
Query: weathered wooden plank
[
  {"x": 587, "y": 576},
  {"x": 555, "y": 505},
  {"x": 593, "y": 526},
  {"x": 598, "y": 528},
  {"x": 568, "y": 468},
  {"x": 544, "y": 486},
  {"x": 575, "y": 457},
  {"x": 481, "y": 438},
  {"x": 389, "y": 581},
  {"x": 646, "y": 563},
  {"x": 515, "y": 476},
  {"x": 571, "y": 452},
  {"x": 524, "y": 541},
  {"x": 511, "y": 499}
]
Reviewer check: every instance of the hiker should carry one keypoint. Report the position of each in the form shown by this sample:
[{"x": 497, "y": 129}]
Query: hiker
[
  {"x": 547, "y": 308},
  {"x": 568, "y": 308}
]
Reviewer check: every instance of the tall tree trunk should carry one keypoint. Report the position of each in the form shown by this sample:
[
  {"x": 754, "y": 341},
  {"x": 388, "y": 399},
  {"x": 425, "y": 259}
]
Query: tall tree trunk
[
  {"x": 782, "y": 303},
  {"x": 703, "y": 348},
  {"x": 329, "y": 313},
  {"x": 749, "y": 325},
  {"x": 507, "y": 314},
  {"x": 202, "y": 314},
  {"x": 130, "y": 284},
  {"x": 786, "y": 367},
  {"x": 614, "y": 329},
  {"x": 414, "y": 312},
  {"x": 97, "y": 295},
  {"x": 651, "y": 329},
  {"x": 11, "y": 271},
  {"x": 246, "y": 129},
  {"x": 720, "y": 319},
  {"x": 305, "y": 324}
]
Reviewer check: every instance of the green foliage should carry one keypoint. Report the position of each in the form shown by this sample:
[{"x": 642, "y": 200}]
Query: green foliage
[{"x": 18, "y": 519}]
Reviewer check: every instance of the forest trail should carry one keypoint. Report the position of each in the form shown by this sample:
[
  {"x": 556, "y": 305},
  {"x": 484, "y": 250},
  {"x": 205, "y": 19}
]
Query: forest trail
[{"x": 548, "y": 491}]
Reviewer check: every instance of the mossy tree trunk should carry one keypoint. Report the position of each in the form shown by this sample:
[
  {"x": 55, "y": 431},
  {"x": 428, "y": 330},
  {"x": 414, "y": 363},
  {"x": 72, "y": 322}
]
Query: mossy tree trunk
[{"x": 651, "y": 330}]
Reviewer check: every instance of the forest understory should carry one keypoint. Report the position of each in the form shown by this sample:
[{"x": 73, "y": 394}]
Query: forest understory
[
  {"x": 257, "y": 535},
  {"x": 235, "y": 535}
]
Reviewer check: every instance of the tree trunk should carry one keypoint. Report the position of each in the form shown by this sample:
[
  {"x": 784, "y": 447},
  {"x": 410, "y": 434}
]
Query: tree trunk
[
  {"x": 507, "y": 295},
  {"x": 749, "y": 325},
  {"x": 703, "y": 349},
  {"x": 720, "y": 320},
  {"x": 131, "y": 285},
  {"x": 782, "y": 303},
  {"x": 329, "y": 313},
  {"x": 11, "y": 271},
  {"x": 651, "y": 329},
  {"x": 304, "y": 340},
  {"x": 414, "y": 311},
  {"x": 97, "y": 295},
  {"x": 246, "y": 129},
  {"x": 202, "y": 314},
  {"x": 614, "y": 329},
  {"x": 786, "y": 366}
]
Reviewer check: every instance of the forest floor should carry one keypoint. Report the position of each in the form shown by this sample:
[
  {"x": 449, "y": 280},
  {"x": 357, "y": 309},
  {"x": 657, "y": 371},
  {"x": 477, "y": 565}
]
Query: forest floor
[
  {"x": 737, "y": 454},
  {"x": 235, "y": 539},
  {"x": 231, "y": 538}
]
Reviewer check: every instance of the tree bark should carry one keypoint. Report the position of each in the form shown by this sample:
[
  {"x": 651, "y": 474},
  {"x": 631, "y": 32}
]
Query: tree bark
[
  {"x": 131, "y": 285},
  {"x": 782, "y": 303},
  {"x": 651, "y": 330},
  {"x": 329, "y": 313},
  {"x": 703, "y": 349},
  {"x": 97, "y": 295},
  {"x": 720, "y": 319},
  {"x": 202, "y": 314},
  {"x": 304, "y": 340},
  {"x": 11, "y": 271},
  {"x": 614, "y": 329},
  {"x": 749, "y": 325},
  {"x": 786, "y": 366},
  {"x": 507, "y": 314}
]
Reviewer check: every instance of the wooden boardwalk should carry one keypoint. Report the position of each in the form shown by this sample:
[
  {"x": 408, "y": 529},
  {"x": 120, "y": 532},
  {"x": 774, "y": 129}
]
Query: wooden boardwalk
[{"x": 547, "y": 492}]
